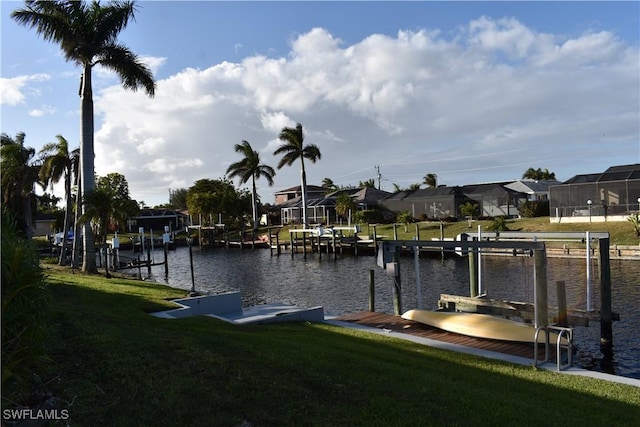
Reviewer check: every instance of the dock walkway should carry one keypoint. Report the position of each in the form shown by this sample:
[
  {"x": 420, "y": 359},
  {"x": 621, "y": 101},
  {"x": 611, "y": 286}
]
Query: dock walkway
[
  {"x": 388, "y": 322},
  {"x": 513, "y": 352}
]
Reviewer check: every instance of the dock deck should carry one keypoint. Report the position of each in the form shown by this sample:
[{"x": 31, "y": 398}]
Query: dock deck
[{"x": 398, "y": 324}]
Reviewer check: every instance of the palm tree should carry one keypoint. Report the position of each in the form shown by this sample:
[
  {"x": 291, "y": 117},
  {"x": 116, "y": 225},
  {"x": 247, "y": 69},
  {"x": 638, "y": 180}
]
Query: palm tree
[
  {"x": 538, "y": 174},
  {"x": 19, "y": 174},
  {"x": 250, "y": 168},
  {"x": 97, "y": 207},
  {"x": 294, "y": 149},
  {"x": 431, "y": 180},
  {"x": 57, "y": 163},
  {"x": 87, "y": 34},
  {"x": 345, "y": 205},
  {"x": 328, "y": 185}
]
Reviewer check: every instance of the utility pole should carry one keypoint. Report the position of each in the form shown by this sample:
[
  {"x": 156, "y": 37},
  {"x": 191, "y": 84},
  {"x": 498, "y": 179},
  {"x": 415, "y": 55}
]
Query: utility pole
[{"x": 379, "y": 176}]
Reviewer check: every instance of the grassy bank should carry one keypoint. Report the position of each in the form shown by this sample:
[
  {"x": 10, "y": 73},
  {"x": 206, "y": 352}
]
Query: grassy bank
[
  {"x": 622, "y": 233},
  {"x": 113, "y": 364}
]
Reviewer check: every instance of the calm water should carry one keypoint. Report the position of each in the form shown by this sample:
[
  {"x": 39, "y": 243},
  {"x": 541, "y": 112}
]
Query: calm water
[{"x": 341, "y": 286}]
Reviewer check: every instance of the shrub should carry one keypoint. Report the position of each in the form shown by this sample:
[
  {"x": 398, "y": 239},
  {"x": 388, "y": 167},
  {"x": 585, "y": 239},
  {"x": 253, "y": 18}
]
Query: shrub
[
  {"x": 499, "y": 223},
  {"x": 469, "y": 209},
  {"x": 635, "y": 220},
  {"x": 24, "y": 313},
  {"x": 529, "y": 209},
  {"x": 368, "y": 216},
  {"x": 405, "y": 218}
]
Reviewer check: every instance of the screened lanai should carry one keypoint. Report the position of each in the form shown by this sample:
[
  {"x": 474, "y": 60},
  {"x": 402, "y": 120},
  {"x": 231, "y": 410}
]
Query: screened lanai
[{"x": 613, "y": 192}]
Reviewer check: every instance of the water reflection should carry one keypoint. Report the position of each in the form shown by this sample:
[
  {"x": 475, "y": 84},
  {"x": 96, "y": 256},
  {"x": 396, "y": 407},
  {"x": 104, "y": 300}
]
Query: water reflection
[{"x": 342, "y": 287}]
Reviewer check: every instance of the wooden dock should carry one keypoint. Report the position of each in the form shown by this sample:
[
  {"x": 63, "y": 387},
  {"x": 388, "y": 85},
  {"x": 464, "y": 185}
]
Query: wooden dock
[{"x": 400, "y": 325}]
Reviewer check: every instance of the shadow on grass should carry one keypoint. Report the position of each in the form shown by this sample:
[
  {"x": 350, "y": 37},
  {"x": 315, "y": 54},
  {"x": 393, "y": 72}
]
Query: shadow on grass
[{"x": 120, "y": 366}]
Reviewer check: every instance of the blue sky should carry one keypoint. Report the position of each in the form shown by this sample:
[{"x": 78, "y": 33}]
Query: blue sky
[{"x": 471, "y": 91}]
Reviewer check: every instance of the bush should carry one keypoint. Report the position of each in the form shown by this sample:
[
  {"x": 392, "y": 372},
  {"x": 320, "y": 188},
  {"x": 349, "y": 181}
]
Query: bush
[
  {"x": 635, "y": 220},
  {"x": 368, "y": 216},
  {"x": 24, "y": 313},
  {"x": 499, "y": 223},
  {"x": 529, "y": 209}
]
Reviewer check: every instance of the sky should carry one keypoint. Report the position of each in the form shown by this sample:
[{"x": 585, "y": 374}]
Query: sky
[{"x": 470, "y": 91}]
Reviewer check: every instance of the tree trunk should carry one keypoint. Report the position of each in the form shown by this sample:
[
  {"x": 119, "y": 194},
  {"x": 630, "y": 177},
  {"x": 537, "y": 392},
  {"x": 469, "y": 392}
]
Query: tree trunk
[
  {"x": 75, "y": 251},
  {"x": 67, "y": 220},
  {"x": 303, "y": 189},
  {"x": 254, "y": 200},
  {"x": 87, "y": 166}
]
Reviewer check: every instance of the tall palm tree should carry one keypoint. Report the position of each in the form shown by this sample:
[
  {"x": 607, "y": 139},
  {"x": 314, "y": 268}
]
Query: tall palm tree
[
  {"x": 250, "y": 168},
  {"x": 87, "y": 34},
  {"x": 431, "y": 180},
  {"x": 57, "y": 163},
  {"x": 19, "y": 174},
  {"x": 294, "y": 149}
]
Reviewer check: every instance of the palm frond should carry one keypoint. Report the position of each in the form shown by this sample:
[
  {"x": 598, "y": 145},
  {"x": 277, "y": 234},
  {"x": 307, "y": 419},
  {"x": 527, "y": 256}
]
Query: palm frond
[{"x": 134, "y": 74}]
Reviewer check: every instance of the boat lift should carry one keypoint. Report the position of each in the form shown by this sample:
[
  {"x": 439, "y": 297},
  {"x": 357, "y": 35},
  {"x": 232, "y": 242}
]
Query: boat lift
[{"x": 516, "y": 242}]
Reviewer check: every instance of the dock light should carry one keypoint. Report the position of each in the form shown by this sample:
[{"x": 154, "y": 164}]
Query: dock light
[
  {"x": 589, "y": 204},
  {"x": 638, "y": 204}
]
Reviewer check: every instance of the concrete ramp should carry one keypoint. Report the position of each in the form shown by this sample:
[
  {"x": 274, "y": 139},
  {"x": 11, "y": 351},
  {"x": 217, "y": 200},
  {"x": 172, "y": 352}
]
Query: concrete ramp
[{"x": 228, "y": 307}]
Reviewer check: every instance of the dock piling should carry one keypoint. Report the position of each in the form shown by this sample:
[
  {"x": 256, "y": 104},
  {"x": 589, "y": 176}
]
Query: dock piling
[{"x": 372, "y": 291}]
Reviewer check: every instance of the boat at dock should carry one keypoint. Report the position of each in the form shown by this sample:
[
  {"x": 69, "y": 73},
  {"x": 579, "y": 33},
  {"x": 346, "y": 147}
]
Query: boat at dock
[{"x": 479, "y": 326}]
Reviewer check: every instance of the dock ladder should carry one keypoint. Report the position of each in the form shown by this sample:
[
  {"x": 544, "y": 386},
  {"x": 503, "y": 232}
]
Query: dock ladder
[{"x": 560, "y": 331}]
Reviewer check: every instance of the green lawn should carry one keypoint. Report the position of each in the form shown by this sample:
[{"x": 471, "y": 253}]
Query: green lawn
[{"x": 114, "y": 364}]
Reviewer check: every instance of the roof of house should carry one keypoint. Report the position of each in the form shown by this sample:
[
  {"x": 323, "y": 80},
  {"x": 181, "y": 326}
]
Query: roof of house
[
  {"x": 296, "y": 202},
  {"x": 369, "y": 195},
  {"x": 491, "y": 188},
  {"x": 531, "y": 186},
  {"x": 296, "y": 189},
  {"x": 159, "y": 213},
  {"x": 365, "y": 194}
]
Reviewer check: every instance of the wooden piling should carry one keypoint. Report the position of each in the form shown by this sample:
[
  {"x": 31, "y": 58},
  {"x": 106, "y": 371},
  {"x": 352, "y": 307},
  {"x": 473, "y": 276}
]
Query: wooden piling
[
  {"x": 333, "y": 244},
  {"x": 293, "y": 246},
  {"x": 394, "y": 268},
  {"x": 372, "y": 291},
  {"x": 606, "y": 330},
  {"x": 149, "y": 259},
  {"x": 304, "y": 245},
  {"x": 473, "y": 275},
  {"x": 540, "y": 276},
  {"x": 166, "y": 262},
  {"x": 562, "y": 304}
]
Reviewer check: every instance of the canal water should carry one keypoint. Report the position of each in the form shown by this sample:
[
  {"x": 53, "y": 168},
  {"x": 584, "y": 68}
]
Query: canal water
[{"x": 342, "y": 286}]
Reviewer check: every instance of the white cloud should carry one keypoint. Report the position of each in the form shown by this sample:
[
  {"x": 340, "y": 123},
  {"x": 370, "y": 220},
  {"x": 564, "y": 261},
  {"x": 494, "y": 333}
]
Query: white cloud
[
  {"x": 497, "y": 97},
  {"x": 42, "y": 111},
  {"x": 12, "y": 90}
]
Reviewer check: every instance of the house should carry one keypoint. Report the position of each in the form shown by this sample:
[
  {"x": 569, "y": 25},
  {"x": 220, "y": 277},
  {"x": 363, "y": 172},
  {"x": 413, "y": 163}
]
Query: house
[
  {"x": 286, "y": 195},
  {"x": 44, "y": 224},
  {"x": 365, "y": 198},
  {"x": 536, "y": 191},
  {"x": 493, "y": 199},
  {"x": 440, "y": 202},
  {"x": 157, "y": 219},
  {"x": 612, "y": 193},
  {"x": 322, "y": 208}
]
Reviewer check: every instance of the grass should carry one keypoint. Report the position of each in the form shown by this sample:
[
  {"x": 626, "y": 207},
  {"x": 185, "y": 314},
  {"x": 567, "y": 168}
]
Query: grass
[{"x": 114, "y": 364}]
